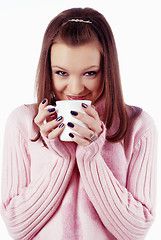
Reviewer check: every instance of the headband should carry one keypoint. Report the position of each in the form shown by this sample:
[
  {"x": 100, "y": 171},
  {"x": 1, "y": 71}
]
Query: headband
[{"x": 79, "y": 20}]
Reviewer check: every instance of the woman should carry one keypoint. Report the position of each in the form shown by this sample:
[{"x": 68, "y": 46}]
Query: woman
[{"x": 102, "y": 184}]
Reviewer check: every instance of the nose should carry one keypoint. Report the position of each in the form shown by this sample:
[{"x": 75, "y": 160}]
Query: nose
[{"x": 75, "y": 86}]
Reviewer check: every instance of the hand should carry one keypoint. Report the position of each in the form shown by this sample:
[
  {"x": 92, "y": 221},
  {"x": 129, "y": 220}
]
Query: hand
[
  {"x": 53, "y": 126},
  {"x": 91, "y": 120}
]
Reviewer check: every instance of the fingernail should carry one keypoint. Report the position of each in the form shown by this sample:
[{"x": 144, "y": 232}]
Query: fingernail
[
  {"x": 59, "y": 118},
  {"x": 51, "y": 110},
  {"x": 71, "y": 135},
  {"x": 44, "y": 101},
  {"x": 70, "y": 124},
  {"x": 84, "y": 105},
  {"x": 74, "y": 113},
  {"x": 61, "y": 125}
]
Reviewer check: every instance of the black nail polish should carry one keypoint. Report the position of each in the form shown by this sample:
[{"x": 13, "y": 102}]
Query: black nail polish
[
  {"x": 71, "y": 135},
  {"x": 51, "y": 110},
  {"x": 74, "y": 113},
  {"x": 70, "y": 124},
  {"x": 61, "y": 125},
  {"x": 84, "y": 105},
  {"x": 59, "y": 118},
  {"x": 44, "y": 101}
]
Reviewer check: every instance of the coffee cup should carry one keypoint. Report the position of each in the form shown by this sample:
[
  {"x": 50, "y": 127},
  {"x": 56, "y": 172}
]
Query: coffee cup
[{"x": 63, "y": 108}]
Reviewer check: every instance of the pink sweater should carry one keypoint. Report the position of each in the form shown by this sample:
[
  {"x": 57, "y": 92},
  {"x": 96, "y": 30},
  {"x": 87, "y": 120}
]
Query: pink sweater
[{"x": 104, "y": 191}]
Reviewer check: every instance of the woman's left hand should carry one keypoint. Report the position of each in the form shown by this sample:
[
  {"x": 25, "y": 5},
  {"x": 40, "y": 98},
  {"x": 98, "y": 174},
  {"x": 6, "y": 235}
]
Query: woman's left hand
[{"x": 93, "y": 123}]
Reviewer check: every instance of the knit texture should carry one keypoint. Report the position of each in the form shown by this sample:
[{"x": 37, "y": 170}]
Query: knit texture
[{"x": 104, "y": 191}]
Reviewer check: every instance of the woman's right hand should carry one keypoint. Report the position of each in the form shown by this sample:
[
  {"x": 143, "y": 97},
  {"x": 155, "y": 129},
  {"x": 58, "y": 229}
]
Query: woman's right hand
[{"x": 54, "y": 124}]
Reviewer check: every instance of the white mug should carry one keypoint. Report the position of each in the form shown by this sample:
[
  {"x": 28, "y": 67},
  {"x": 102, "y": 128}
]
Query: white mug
[{"x": 63, "y": 108}]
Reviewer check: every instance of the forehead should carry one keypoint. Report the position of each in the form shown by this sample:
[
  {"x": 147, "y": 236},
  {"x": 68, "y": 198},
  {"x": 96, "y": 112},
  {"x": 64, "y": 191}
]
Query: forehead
[{"x": 64, "y": 55}]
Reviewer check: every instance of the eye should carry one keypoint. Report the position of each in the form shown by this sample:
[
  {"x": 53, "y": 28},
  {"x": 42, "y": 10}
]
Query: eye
[
  {"x": 90, "y": 73},
  {"x": 61, "y": 73}
]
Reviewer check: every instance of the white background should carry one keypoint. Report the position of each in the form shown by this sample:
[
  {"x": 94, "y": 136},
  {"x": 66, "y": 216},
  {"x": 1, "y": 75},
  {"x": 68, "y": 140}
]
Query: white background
[{"x": 137, "y": 29}]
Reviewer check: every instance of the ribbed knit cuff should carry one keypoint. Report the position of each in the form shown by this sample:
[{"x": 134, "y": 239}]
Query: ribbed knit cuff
[
  {"x": 64, "y": 149},
  {"x": 93, "y": 148}
]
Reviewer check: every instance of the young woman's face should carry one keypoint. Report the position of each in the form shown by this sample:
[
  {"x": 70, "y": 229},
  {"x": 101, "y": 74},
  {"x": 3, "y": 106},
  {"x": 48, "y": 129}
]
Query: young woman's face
[{"x": 76, "y": 71}]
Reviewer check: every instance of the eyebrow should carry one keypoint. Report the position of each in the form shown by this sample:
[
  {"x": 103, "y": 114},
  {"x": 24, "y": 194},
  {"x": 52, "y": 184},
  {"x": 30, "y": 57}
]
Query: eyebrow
[
  {"x": 58, "y": 67},
  {"x": 93, "y": 66}
]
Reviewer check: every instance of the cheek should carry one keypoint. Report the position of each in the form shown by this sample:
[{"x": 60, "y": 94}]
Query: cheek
[
  {"x": 58, "y": 85},
  {"x": 95, "y": 85}
]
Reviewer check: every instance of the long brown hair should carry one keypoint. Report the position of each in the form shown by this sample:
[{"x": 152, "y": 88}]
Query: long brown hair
[{"x": 94, "y": 25}]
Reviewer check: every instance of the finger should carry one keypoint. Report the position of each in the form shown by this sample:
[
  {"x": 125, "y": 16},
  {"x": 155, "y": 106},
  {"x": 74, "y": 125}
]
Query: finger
[
  {"x": 90, "y": 110},
  {"x": 44, "y": 114},
  {"x": 43, "y": 104},
  {"x": 51, "y": 110},
  {"x": 82, "y": 131},
  {"x": 90, "y": 122},
  {"x": 56, "y": 132},
  {"x": 79, "y": 140},
  {"x": 51, "y": 117},
  {"x": 51, "y": 126},
  {"x": 41, "y": 116},
  {"x": 93, "y": 106}
]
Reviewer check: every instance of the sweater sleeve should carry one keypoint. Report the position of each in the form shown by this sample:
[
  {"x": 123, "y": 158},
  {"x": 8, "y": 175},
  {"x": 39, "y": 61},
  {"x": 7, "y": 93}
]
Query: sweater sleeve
[
  {"x": 127, "y": 212},
  {"x": 27, "y": 205}
]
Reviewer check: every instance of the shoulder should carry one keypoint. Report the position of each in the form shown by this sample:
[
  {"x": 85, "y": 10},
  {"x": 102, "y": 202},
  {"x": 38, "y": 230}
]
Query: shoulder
[
  {"x": 22, "y": 118},
  {"x": 139, "y": 116},
  {"x": 140, "y": 122},
  {"x": 24, "y": 110},
  {"x": 141, "y": 129}
]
